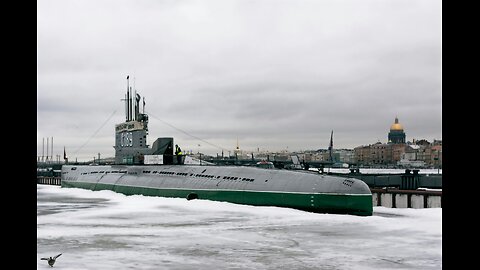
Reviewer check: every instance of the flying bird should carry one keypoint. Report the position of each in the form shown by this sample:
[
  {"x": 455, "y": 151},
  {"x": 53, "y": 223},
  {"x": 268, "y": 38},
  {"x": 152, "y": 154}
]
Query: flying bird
[{"x": 51, "y": 260}]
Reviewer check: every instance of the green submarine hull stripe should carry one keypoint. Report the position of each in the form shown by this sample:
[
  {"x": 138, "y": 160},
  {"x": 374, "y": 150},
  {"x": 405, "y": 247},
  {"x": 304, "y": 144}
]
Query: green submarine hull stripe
[{"x": 357, "y": 204}]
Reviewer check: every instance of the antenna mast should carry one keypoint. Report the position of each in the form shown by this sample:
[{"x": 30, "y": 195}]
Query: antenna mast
[
  {"x": 134, "y": 100},
  {"x": 127, "y": 100}
]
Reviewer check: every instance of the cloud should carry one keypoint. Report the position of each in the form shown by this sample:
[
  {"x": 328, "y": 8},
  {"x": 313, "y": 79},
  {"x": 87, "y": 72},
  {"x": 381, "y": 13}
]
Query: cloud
[{"x": 272, "y": 73}]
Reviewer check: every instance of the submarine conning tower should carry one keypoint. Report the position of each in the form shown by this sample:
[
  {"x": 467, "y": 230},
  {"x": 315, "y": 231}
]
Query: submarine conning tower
[{"x": 131, "y": 136}]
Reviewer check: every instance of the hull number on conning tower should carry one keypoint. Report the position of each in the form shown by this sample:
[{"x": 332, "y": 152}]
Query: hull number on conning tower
[{"x": 126, "y": 139}]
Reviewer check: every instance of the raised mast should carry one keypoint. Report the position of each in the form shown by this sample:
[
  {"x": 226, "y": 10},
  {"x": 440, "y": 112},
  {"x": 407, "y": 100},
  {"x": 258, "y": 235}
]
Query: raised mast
[
  {"x": 135, "y": 105},
  {"x": 130, "y": 116},
  {"x": 126, "y": 108},
  {"x": 126, "y": 103},
  {"x": 127, "y": 100},
  {"x": 131, "y": 105}
]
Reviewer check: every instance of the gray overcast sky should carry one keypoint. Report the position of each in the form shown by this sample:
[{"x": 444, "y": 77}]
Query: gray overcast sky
[{"x": 276, "y": 74}]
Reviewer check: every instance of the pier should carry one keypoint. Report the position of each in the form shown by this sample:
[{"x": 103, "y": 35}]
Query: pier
[
  {"x": 399, "y": 198},
  {"x": 49, "y": 180}
]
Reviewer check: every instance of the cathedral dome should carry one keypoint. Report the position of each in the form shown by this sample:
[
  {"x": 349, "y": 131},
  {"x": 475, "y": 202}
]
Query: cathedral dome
[{"x": 396, "y": 126}]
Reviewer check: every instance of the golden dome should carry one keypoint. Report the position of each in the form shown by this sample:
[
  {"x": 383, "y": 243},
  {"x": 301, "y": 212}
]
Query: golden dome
[{"x": 396, "y": 125}]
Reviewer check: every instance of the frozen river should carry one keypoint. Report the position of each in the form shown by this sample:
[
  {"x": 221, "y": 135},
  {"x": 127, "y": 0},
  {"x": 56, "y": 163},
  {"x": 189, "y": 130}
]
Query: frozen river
[{"x": 107, "y": 230}]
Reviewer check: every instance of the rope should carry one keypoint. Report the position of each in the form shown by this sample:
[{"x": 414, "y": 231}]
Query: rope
[
  {"x": 95, "y": 133},
  {"x": 186, "y": 133}
]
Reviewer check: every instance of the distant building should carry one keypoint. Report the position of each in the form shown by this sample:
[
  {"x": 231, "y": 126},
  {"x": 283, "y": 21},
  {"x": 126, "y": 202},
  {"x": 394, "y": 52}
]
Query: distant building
[
  {"x": 344, "y": 155},
  {"x": 436, "y": 157},
  {"x": 410, "y": 157},
  {"x": 396, "y": 152},
  {"x": 396, "y": 134},
  {"x": 381, "y": 154},
  {"x": 361, "y": 154}
]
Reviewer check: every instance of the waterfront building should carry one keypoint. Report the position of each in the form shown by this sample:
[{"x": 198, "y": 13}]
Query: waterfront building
[
  {"x": 383, "y": 154},
  {"x": 345, "y": 155},
  {"x": 362, "y": 154}
]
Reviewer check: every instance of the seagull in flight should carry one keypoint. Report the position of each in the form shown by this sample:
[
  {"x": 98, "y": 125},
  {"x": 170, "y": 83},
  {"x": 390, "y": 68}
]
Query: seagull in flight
[{"x": 51, "y": 260}]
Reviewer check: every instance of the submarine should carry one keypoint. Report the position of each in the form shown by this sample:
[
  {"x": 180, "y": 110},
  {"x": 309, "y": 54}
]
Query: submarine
[{"x": 157, "y": 171}]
